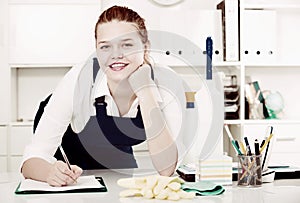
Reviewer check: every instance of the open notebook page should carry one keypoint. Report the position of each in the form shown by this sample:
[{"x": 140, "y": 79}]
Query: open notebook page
[{"x": 83, "y": 182}]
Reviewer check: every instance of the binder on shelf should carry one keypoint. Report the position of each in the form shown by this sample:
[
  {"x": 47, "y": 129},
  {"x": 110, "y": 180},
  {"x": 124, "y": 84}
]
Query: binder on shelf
[
  {"x": 260, "y": 32},
  {"x": 230, "y": 29},
  {"x": 84, "y": 184}
]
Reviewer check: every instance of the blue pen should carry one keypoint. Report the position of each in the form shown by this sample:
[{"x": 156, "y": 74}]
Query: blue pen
[{"x": 209, "y": 52}]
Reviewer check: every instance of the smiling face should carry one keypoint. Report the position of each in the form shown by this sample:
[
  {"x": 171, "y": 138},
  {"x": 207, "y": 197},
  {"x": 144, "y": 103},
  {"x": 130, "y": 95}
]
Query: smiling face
[{"x": 120, "y": 49}]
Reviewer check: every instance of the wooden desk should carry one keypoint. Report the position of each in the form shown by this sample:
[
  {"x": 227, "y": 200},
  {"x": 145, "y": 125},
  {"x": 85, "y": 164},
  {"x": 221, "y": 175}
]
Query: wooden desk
[{"x": 280, "y": 191}]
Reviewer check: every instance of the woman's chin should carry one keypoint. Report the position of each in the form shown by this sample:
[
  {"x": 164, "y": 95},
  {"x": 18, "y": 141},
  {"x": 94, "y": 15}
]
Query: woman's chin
[{"x": 117, "y": 78}]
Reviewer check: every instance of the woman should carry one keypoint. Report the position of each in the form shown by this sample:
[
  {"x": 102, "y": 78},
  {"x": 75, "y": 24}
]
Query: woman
[{"x": 121, "y": 107}]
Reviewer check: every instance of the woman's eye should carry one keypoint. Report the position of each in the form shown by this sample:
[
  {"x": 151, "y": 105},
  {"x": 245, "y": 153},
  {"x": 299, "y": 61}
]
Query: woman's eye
[
  {"x": 127, "y": 45},
  {"x": 104, "y": 47}
]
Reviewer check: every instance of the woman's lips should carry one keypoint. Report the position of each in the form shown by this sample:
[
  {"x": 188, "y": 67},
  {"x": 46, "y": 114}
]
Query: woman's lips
[{"x": 118, "y": 66}]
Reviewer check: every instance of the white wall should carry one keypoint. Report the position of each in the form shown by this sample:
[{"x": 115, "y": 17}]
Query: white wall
[
  {"x": 51, "y": 34},
  {"x": 4, "y": 70}
]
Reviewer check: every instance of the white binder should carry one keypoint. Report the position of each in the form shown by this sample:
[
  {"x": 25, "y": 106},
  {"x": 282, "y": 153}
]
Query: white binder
[{"x": 259, "y": 42}]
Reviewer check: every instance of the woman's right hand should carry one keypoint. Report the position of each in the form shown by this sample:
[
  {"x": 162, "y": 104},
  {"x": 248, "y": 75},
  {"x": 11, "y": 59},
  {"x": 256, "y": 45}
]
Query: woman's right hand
[
  {"x": 60, "y": 175},
  {"x": 141, "y": 78}
]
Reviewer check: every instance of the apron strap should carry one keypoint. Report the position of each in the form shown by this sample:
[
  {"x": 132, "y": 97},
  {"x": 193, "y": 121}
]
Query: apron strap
[
  {"x": 100, "y": 101},
  {"x": 96, "y": 68}
]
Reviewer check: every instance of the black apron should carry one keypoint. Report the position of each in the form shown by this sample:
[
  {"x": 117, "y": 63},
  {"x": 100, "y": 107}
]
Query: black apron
[{"x": 105, "y": 142}]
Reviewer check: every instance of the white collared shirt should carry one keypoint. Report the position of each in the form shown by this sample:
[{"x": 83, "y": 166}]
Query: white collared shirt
[{"x": 60, "y": 110}]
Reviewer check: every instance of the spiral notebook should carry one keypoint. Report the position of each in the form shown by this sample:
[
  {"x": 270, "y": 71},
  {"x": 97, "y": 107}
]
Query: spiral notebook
[{"x": 84, "y": 184}]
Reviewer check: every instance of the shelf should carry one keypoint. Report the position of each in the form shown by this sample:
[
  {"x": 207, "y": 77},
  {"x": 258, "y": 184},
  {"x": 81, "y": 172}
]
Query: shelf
[
  {"x": 26, "y": 123},
  {"x": 275, "y": 65},
  {"x": 29, "y": 66},
  {"x": 232, "y": 122},
  {"x": 277, "y": 6},
  {"x": 55, "y": 2},
  {"x": 227, "y": 63},
  {"x": 272, "y": 121}
]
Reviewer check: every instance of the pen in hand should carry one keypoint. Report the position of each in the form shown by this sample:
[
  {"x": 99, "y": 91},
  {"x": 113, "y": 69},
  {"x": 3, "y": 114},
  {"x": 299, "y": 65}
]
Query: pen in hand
[{"x": 66, "y": 160}]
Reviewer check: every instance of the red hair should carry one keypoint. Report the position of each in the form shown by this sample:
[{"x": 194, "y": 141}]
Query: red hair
[{"x": 122, "y": 13}]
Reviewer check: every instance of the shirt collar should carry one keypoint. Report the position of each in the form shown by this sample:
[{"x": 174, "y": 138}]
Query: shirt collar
[{"x": 101, "y": 87}]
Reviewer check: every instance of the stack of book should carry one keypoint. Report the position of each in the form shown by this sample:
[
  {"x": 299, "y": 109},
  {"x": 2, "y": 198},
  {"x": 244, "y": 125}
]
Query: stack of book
[{"x": 215, "y": 169}]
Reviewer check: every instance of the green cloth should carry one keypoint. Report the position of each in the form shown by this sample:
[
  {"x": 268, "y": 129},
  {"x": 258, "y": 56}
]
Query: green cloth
[{"x": 203, "y": 188}]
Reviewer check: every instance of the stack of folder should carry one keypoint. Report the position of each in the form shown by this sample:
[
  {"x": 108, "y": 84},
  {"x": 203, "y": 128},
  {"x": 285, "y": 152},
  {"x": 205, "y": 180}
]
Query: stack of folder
[
  {"x": 215, "y": 169},
  {"x": 231, "y": 97}
]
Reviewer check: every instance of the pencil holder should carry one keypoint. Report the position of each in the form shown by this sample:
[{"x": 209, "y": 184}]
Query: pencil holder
[{"x": 249, "y": 171}]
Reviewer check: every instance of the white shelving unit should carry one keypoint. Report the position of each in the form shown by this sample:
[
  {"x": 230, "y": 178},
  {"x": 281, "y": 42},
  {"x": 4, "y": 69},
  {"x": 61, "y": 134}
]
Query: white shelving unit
[{"x": 272, "y": 27}]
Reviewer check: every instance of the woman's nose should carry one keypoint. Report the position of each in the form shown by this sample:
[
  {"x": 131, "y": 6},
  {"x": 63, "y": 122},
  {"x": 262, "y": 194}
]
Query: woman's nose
[{"x": 117, "y": 53}]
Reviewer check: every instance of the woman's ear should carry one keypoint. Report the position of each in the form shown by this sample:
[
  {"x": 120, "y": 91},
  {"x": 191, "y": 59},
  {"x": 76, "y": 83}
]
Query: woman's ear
[
  {"x": 146, "y": 52},
  {"x": 147, "y": 46}
]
